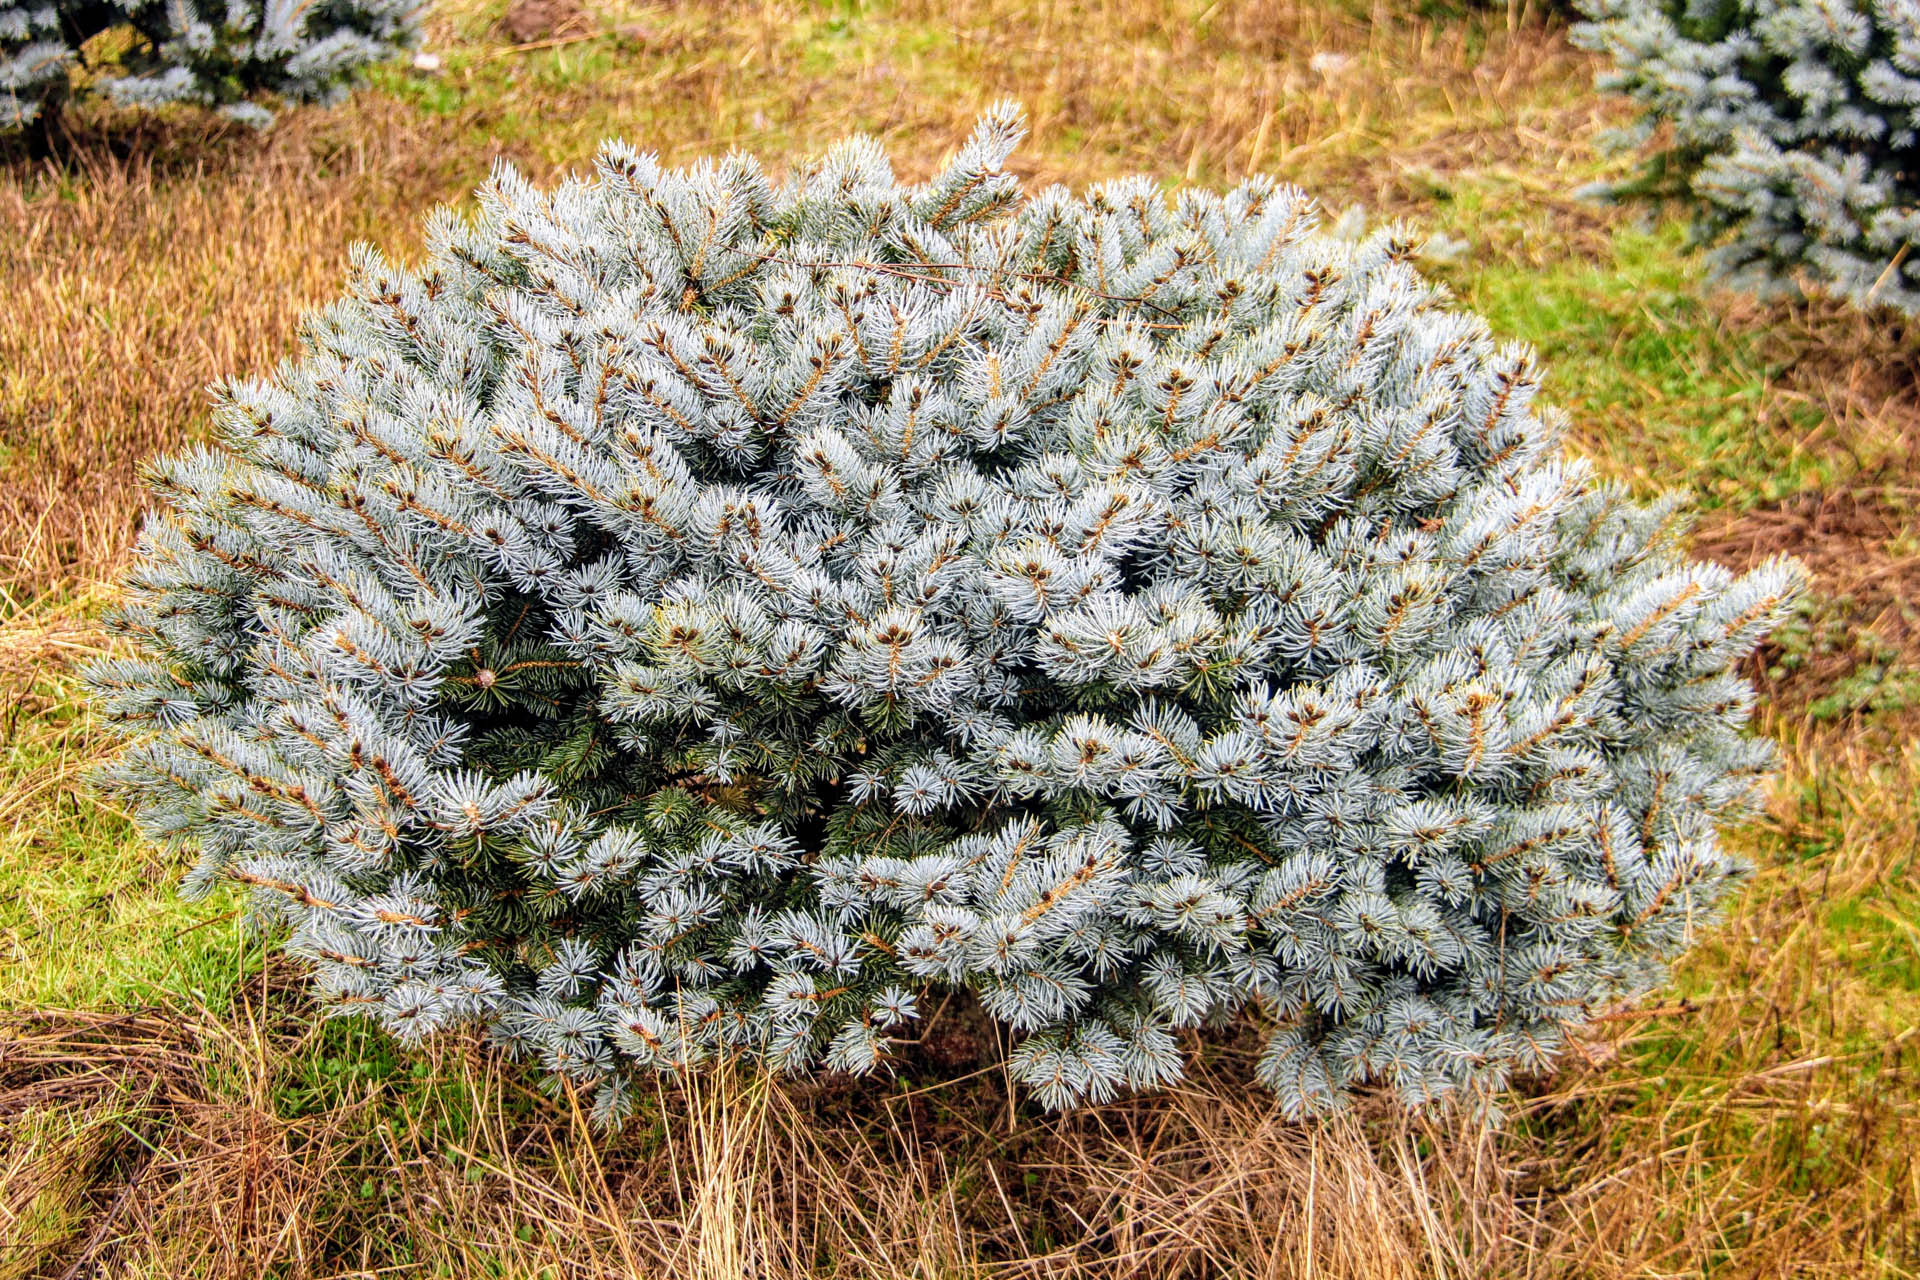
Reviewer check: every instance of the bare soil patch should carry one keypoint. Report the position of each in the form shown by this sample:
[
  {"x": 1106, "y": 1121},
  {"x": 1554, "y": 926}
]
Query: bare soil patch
[
  {"x": 1861, "y": 543},
  {"x": 526, "y": 21}
]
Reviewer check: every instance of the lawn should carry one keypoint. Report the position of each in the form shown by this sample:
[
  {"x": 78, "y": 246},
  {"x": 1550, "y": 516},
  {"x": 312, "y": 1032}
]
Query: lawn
[{"x": 168, "y": 1104}]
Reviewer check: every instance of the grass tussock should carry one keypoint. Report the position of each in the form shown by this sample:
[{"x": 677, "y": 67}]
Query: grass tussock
[
  {"x": 180, "y": 1141},
  {"x": 168, "y": 1107}
]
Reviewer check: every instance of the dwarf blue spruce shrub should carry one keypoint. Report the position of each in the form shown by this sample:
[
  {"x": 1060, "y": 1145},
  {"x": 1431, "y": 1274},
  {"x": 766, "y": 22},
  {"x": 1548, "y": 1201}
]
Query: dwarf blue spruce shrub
[
  {"x": 691, "y": 614},
  {"x": 227, "y": 54},
  {"x": 1793, "y": 133}
]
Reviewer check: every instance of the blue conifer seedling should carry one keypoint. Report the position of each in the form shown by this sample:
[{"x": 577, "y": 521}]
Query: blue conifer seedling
[
  {"x": 228, "y": 55},
  {"x": 1792, "y": 131},
  {"x": 694, "y": 614}
]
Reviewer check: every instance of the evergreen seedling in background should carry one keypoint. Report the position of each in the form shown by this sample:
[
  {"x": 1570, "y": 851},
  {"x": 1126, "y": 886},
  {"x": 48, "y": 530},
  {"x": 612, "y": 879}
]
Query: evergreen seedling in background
[
  {"x": 689, "y": 614},
  {"x": 203, "y": 52},
  {"x": 1794, "y": 133}
]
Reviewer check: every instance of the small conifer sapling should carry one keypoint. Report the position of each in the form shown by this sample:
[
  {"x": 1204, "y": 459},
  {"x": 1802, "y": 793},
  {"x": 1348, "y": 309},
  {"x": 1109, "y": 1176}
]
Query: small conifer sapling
[
  {"x": 235, "y": 56},
  {"x": 689, "y": 614},
  {"x": 1792, "y": 131}
]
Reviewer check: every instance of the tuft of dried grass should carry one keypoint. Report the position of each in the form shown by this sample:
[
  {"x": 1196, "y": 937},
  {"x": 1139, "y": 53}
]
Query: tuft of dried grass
[
  {"x": 181, "y": 1140},
  {"x": 149, "y": 1143},
  {"x": 152, "y": 1143}
]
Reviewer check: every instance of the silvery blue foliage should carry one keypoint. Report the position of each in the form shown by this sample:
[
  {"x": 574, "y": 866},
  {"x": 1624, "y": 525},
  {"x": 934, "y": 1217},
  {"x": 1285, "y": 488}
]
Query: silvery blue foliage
[
  {"x": 226, "y": 54},
  {"x": 1793, "y": 133},
  {"x": 690, "y": 614}
]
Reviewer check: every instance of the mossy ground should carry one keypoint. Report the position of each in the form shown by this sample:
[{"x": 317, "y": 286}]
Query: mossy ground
[{"x": 167, "y": 1105}]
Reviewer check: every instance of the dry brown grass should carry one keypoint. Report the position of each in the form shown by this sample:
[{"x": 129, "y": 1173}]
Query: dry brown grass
[
  {"x": 132, "y": 284},
  {"x": 1859, "y": 536},
  {"x": 1760, "y": 1120},
  {"x": 158, "y": 1151},
  {"x": 164, "y": 1143},
  {"x": 159, "y": 1146}
]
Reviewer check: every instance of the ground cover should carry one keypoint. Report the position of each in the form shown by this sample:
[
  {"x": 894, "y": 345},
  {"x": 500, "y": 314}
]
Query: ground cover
[{"x": 167, "y": 1105}]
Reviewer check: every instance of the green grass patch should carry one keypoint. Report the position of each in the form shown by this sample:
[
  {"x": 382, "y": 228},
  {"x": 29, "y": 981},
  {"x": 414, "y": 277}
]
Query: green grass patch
[
  {"x": 1662, "y": 390},
  {"x": 89, "y": 913}
]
